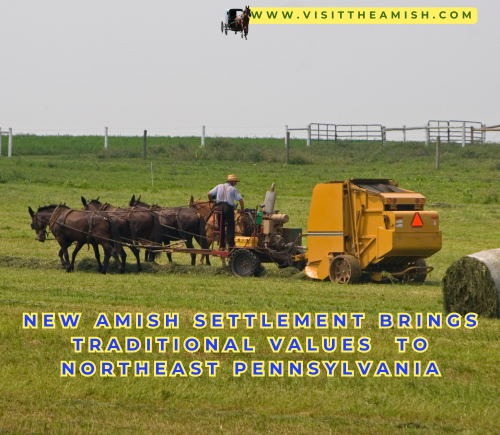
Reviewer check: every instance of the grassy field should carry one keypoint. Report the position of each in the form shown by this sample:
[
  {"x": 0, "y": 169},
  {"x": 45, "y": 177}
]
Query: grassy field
[{"x": 34, "y": 398}]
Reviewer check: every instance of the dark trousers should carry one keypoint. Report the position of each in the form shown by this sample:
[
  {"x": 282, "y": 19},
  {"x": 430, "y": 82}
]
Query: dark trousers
[{"x": 227, "y": 217}]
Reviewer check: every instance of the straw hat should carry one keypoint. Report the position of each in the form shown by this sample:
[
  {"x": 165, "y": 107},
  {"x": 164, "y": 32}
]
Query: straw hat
[{"x": 232, "y": 177}]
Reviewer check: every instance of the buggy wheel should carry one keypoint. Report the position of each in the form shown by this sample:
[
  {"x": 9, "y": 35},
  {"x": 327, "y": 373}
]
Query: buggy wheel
[
  {"x": 226, "y": 31},
  {"x": 420, "y": 276},
  {"x": 244, "y": 263},
  {"x": 345, "y": 269},
  {"x": 242, "y": 34},
  {"x": 222, "y": 27}
]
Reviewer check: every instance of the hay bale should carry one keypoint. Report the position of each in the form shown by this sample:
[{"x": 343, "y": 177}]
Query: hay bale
[{"x": 472, "y": 285}]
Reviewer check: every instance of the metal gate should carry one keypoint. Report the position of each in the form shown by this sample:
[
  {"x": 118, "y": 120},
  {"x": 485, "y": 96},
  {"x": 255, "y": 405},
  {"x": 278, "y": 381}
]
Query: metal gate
[
  {"x": 452, "y": 131},
  {"x": 336, "y": 132}
]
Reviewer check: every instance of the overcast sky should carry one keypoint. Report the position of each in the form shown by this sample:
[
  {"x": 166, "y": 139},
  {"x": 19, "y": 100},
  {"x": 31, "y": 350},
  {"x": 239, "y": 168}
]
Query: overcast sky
[{"x": 76, "y": 66}]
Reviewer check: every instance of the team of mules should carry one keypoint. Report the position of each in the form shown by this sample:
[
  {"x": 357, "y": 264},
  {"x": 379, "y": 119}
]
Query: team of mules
[
  {"x": 139, "y": 226},
  {"x": 179, "y": 223}
]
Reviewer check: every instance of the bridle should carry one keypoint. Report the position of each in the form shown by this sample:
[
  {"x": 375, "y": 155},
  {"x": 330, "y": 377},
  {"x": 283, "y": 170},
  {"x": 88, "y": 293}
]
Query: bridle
[{"x": 43, "y": 226}]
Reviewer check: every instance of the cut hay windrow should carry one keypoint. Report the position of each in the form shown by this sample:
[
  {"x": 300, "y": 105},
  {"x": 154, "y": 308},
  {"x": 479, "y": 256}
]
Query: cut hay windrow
[{"x": 472, "y": 285}]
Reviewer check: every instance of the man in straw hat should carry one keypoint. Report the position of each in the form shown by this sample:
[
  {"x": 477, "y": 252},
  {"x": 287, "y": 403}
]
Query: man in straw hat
[{"x": 225, "y": 197}]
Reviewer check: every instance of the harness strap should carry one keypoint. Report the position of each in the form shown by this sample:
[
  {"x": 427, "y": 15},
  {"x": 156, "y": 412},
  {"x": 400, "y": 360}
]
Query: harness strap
[
  {"x": 55, "y": 216},
  {"x": 90, "y": 221}
]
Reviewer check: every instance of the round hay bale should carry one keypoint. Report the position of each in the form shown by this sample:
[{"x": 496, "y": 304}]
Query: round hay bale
[{"x": 472, "y": 285}]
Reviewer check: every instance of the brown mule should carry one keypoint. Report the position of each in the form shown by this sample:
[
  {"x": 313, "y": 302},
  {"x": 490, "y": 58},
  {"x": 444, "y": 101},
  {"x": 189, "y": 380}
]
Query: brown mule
[
  {"x": 83, "y": 227},
  {"x": 147, "y": 223},
  {"x": 126, "y": 228},
  {"x": 179, "y": 223}
]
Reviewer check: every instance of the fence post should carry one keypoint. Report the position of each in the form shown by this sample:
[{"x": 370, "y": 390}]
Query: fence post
[
  {"x": 438, "y": 143},
  {"x": 144, "y": 144},
  {"x": 309, "y": 135},
  {"x": 483, "y": 134},
  {"x": 384, "y": 138},
  {"x": 287, "y": 145},
  {"x": 106, "y": 137},
  {"x": 203, "y": 136},
  {"x": 463, "y": 134},
  {"x": 471, "y": 134},
  {"x": 0, "y": 141},
  {"x": 404, "y": 133},
  {"x": 10, "y": 142},
  {"x": 427, "y": 136},
  {"x": 286, "y": 134}
]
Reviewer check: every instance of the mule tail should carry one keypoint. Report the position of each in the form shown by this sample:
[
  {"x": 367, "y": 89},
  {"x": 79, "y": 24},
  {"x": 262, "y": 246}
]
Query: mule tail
[
  {"x": 158, "y": 238},
  {"x": 132, "y": 233},
  {"x": 203, "y": 242},
  {"x": 115, "y": 236}
]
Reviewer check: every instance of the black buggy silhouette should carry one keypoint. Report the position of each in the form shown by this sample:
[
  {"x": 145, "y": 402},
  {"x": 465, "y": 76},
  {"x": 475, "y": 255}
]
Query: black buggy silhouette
[{"x": 236, "y": 20}]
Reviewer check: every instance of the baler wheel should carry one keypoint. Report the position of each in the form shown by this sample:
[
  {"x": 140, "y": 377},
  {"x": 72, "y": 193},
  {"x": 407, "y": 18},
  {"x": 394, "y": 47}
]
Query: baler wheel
[
  {"x": 420, "y": 277},
  {"x": 345, "y": 269},
  {"x": 244, "y": 263}
]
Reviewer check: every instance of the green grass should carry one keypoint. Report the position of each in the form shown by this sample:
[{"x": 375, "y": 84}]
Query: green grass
[{"x": 35, "y": 399}]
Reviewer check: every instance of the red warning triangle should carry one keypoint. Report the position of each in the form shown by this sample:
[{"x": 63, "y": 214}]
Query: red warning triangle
[{"x": 417, "y": 220}]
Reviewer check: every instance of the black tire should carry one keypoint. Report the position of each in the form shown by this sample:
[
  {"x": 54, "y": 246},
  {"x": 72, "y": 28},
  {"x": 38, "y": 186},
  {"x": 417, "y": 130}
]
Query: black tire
[
  {"x": 345, "y": 269},
  {"x": 420, "y": 277},
  {"x": 244, "y": 263},
  {"x": 226, "y": 31},
  {"x": 222, "y": 27}
]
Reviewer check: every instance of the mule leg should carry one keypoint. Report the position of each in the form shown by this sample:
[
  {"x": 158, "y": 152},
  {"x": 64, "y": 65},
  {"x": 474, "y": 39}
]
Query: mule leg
[
  {"x": 206, "y": 258},
  {"x": 61, "y": 253},
  {"x": 73, "y": 256},
  {"x": 189, "y": 244},
  {"x": 121, "y": 268},
  {"x": 64, "y": 248},
  {"x": 135, "y": 251},
  {"x": 111, "y": 251},
  {"x": 97, "y": 256},
  {"x": 149, "y": 256},
  {"x": 203, "y": 242},
  {"x": 124, "y": 259},
  {"x": 105, "y": 262},
  {"x": 166, "y": 241}
]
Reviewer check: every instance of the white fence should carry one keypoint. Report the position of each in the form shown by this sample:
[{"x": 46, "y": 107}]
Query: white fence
[
  {"x": 447, "y": 131},
  {"x": 9, "y": 132}
]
